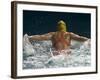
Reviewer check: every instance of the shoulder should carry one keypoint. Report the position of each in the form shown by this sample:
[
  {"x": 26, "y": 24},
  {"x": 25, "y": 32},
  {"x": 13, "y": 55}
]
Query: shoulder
[
  {"x": 69, "y": 33},
  {"x": 51, "y": 33}
]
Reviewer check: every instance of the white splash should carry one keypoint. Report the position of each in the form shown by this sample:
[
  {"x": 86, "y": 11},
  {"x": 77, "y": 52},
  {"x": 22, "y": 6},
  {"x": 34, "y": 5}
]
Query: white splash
[
  {"x": 27, "y": 46},
  {"x": 38, "y": 54}
]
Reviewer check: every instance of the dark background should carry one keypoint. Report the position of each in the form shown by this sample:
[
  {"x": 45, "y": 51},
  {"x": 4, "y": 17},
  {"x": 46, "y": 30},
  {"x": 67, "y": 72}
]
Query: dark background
[{"x": 40, "y": 22}]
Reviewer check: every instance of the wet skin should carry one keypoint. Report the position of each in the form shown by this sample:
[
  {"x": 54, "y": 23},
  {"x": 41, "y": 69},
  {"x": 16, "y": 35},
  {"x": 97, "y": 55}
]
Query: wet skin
[{"x": 60, "y": 40}]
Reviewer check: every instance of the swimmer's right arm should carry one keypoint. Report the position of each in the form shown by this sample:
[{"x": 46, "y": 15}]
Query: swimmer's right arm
[
  {"x": 77, "y": 37},
  {"x": 46, "y": 36}
]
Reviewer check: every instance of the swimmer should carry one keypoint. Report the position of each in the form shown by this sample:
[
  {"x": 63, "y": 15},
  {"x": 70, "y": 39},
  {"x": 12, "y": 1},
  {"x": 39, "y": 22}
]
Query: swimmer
[{"x": 61, "y": 39}]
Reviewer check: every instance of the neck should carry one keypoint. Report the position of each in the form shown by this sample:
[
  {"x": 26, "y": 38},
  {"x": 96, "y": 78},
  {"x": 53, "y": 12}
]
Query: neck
[{"x": 62, "y": 31}]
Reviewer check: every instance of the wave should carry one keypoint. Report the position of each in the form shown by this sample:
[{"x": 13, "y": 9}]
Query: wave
[{"x": 38, "y": 54}]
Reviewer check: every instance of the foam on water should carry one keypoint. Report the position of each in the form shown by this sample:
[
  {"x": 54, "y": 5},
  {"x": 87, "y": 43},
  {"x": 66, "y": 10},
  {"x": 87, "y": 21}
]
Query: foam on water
[{"x": 38, "y": 55}]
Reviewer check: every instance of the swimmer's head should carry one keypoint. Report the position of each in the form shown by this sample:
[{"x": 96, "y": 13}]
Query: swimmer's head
[{"x": 61, "y": 26}]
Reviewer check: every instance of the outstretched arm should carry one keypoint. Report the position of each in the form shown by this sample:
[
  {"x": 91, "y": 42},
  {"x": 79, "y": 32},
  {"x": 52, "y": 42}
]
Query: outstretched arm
[
  {"x": 77, "y": 37},
  {"x": 46, "y": 36}
]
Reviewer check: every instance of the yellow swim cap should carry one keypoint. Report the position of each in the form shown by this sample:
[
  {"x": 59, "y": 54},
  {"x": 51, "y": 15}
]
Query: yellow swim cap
[{"x": 61, "y": 26}]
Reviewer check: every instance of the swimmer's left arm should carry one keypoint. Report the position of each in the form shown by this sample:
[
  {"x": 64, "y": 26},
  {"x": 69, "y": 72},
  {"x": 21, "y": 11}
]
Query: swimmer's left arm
[
  {"x": 46, "y": 36},
  {"x": 77, "y": 37}
]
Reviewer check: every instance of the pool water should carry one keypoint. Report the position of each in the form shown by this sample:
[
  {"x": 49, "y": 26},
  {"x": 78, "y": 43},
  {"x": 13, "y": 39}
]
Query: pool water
[{"x": 39, "y": 54}]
